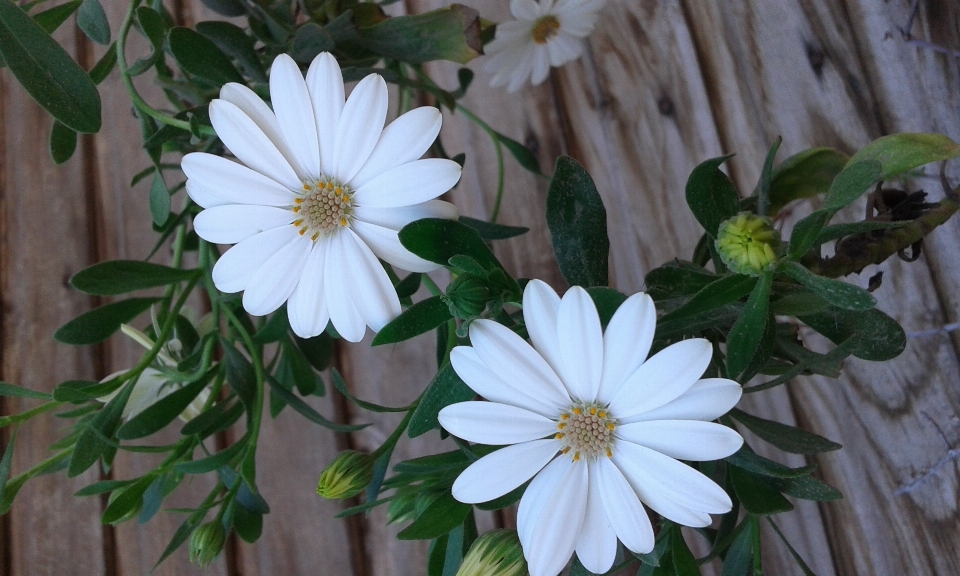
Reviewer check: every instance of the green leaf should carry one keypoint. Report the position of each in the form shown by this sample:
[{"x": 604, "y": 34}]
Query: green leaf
[
  {"x": 578, "y": 225},
  {"x": 219, "y": 417},
  {"x": 807, "y": 487},
  {"x": 738, "y": 559},
  {"x": 607, "y": 301},
  {"x": 211, "y": 463},
  {"x": 340, "y": 385},
  {"x": 409, "y": 285},
  {"x": 63, "y": 142},
  {"x": 311, "y": 39},
  {"x": 898, "y": 153},
  {"x": 744, "y": 340},
  {"x": 490, "y": 231},
  {"x": 162, "y": 412},
  {"x": 441, "y": 516},
  {"x": 418, "y": 319},
  {"x": 82, "y": 391},
  {"x": 677, "y": 278},
  {"x": 182, "y": 535},
  {"x": 837, "y": 231},
  {"x": 804, "y": 175},
  {"x": 127, "y": 499},
  {"x": 52, "y": 18},
  {"x": 236, "y": 44},
  {"x": 521, "y": 153},
  {"x": 851, "y": 183},
  {"x": 226, "y": 7},
  {"x": 12, "y": 390},
  {"x": 200, "y": 56},
  {"x": 248, "y": 524},
  {"x": 105, "y": 65},
  {"x": 6, "y": 462},
  {"x": 240, "y": 375},
  {"x": 787, "y": 438},
  {"x": 102, "y": 487},
  {"x": 723, "y": 290},
  {"x": 684, "y": 564},
  {"x": 711, "y": 195},
  {"x": 307, "y": 411},
  {"x": 159, "y": 200},
  {"x": 93, "y": 21},
  {"x": 766, "y": 175},
  {"x": 756, "y": 496},
  {"x": 304, "y": 378},
  {"x": 98, "y": 324},
  {"x": 153, "y": 25},
  {"x": 438, "y": 240},
  {"x": 875, "y": 335},
  {"x": 836, "y": 292},
  {"x": 447, "y": 388},
  {"x": 121, "y": 276},
  {"x": 451, "y": 33},
  {"x": 796, "y": 557},
  {"x": 47, "y": 72},
  {"x": 98, "y": 434},
  {"x": 806, "y": 233},
  {"x": 317, "y": 350}
]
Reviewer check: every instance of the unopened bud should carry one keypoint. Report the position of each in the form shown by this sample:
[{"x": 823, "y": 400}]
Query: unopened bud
[
  {"x": 206, "y": 543},
  {"x": 467, "y": 296},
  {"x": 496, "y": 553},
  {"x": 345, "y": 477},
  {"x": 748, "y": 244}
]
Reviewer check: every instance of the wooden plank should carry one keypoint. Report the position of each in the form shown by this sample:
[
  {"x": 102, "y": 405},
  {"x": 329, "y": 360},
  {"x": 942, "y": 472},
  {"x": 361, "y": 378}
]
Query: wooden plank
[{"x": 42, "y": 207}]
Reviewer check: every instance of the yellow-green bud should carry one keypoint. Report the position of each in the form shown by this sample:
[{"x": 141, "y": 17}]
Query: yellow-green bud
[
  {"x": 345, "y": 477},
  {"x": 496, "y": 553},
  {"x": 206, "y": 543},
  {"x": 467, "y": 296},
  {"x": 748, "y": 244}
]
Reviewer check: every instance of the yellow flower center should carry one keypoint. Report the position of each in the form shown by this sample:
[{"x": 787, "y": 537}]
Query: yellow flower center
[
  {"x": 586, "y": 431},
  {"x": 545, "y": 28},
  {"x": 323, "y": 207}
]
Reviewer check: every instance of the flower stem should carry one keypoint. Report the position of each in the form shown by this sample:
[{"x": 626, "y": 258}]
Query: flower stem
[
  {"x": 256, "y": 415},
  {"x": 498, "y": 147}
]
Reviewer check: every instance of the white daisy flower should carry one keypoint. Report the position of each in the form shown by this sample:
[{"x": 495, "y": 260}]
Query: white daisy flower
[
  {"x": 544, "y": 34},
  {"x": 598, "y": 428},
  {"x": 322, "y": 191}
]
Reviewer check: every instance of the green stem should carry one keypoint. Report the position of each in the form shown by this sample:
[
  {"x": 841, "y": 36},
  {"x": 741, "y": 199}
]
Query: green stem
[
  {"x": 23, "y": 416},
  {"x": 431, "y": 285},
  {"x": 498, "y": 147},
  {"x": 256, "y": 415},
  {"x": 390, "y": 442}
]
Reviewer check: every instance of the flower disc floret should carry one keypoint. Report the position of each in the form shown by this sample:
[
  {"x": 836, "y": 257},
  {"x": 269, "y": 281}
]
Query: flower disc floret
[
  {"x": 586, "y": 431},
  {"x": 545, "y": 28},
  {"x": 323, "y": 208}
]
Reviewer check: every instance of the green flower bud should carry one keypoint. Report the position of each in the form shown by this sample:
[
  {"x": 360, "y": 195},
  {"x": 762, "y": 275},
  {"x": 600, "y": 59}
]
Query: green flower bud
[
  {"x": 496, "y": 553},
  {"x": 402, "y": 507},
  {"x": 467, "y": 296},
  {"x": 206, "y": 543},
  {"x": 346, "y": 476},
  {"x": 748, "y": 244}
]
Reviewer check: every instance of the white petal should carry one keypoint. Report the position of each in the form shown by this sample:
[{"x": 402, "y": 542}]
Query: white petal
[
  {"x": 386, "y": 245},
  {"x": 233, "y": 223},
  {"x": 485, "y": 382},
  {"x": 558, "y": 527},
  {"x": 581, "y": 344},
  {"x": 344, "y": 315},
  {"x": 234, "y": 269},
  {"x": 231, "y": 182},
  {"x": 626, "y": 343},
  {"x": 291, "y": 103},
  {"x": 307, "y": 307},
  {"x": 683, "y": 439},
  {"x": 500, "y": 472},
  {"x": 652, "y": 491},
  {"x": 494, "y": 423},
  {"x": 517, "y": 363},
  {"x": 540, "y": 307},
  {"x": 678, "y": 482},
  {"x": 151, "y": 386},
  {"x": 665, "y": 376},
  {"x": 541, "y": 65},
  {"x": 623, "y": 507},
  {"x": 373, "y": 295},
  {"x": 707, "y": 399},
  {"x": 248, "y": 143},
  {"x": 359, "y": 128},
  {"x": 597, "y": 544},
  {"x": 410, "y": 183},
  {"x": 564, "y": 48},
  {"x": 403, "y": 140},
  {"x": 203, "y": 196},
  {"x": 524, "y": 9},
  {"x": 537, "y": 495},
  {"x": 523, "y": 68},
  {"x": 275, "y": 279},
  {"x": 325, "y": 83},
  {"x": 398, "y": 217}
]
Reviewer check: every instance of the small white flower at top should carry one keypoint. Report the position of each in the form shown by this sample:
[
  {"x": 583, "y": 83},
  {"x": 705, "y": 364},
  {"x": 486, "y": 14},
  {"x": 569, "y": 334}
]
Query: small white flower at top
[
  {"x": 598, "y": 426},
  {"x": 544, "y": 34},
  {"x": 321, "y": 194}
]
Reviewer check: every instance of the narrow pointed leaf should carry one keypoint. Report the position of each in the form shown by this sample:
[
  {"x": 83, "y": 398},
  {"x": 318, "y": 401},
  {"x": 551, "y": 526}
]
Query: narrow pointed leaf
[
  {"x": 744, "y": 340},
  {"x": 418, "y": 319},
  {"x": 898, "y": 153},
  {"x": 784, "y": 437},
  {"x": 99, "y": 323},
  {"x": 93, "y": 21},
  {"x": 121, "y": 276},
  {"x": 578, "y": 225},
  {"x": 446, "y": 388},
  {"x": 839, "y": 293}
]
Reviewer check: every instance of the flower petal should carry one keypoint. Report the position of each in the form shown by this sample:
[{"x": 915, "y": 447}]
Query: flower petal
[
  {"x": 559, "y": 525},
  {"x": 234, "y": 223},
  {"x": 307, "y": 307},
  {"x": 597, "y": 543},
  {"x": 398, "y": 217},
  {"x": 683, "y": 439},
  {"x": 494, "y": 423},
  {"x": 502, "y": 471},
  {"x": 151, "y": 386},
  {"x": 623, "y": 507},
  {"x": 537, "y": 495},
  {"x": 515, "y": 361},
  {"x": 523, "y": 68},
  {"x": 410, "y": 183},
  {"x": 249, "y": 144},
  {"x": 236, "y": 267},
  {"x": 652, "y": 491},
  {"x": 359, "y": 128},
  {"x": 665, "y": 376},
  {"x": 373, "y": 295},
  {"x": 563, "y": 48},
  {"x": 524, "y": 9},
  {"x": 707, "y": 399},
  {"x": 540, "y": 306},
  {"x": 403, "y": 140},
  {"x": 325, "y": 84},
  {"x": 294, "y": 110},
  {"x": 581, "y": 344},
  {"x": 344, "y": 315},
  {"x": 232, "y": 182},
  {"x": 386, "y": 245},
  {"x": 541, "y": 65},
  {"x": 275, "y": 279},
  {"x": 203, "y": 196},
  {"x": 626, "y": 343},
  {"x": 485, "y": 382}
]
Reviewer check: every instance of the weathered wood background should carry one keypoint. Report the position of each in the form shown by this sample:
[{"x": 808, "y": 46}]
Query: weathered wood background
[{"x": 662, "y": 86}]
